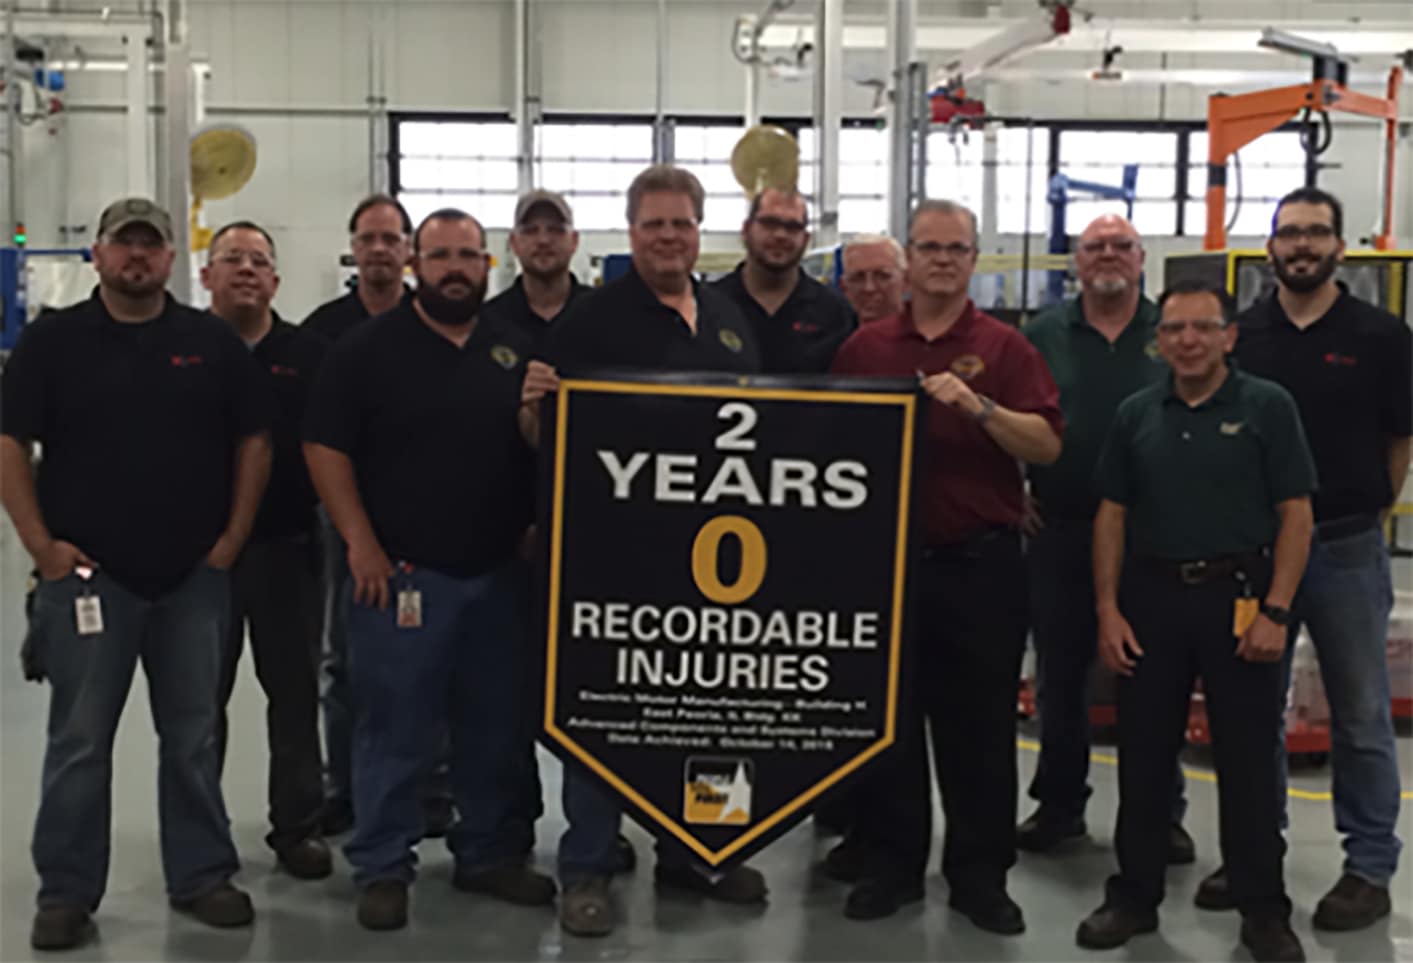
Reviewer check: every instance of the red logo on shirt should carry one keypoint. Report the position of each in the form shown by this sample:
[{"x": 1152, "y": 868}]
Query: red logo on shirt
[
  {"x": 804, "y": 327},
  {"x": 185, "y": 360},
  {"x": 1343, "y": 360},
  {"x": 284, "y": 372}
]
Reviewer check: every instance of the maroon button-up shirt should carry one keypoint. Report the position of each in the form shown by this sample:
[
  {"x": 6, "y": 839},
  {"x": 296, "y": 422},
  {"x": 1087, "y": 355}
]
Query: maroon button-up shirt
[{"x": 969, "y": 483}]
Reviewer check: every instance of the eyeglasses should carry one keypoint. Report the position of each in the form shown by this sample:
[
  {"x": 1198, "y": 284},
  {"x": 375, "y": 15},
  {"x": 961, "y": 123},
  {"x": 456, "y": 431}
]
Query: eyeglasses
[
  {"x": 780, "y": 224},
  {"x": 1171, "y": 329},
  {"x": 956, "y": 250},
  {"x": 1298, "y": 232},
  {"x": 385, "y": 238},
  {"x": 257, "y": 260},
  {"x": 1119, "y": 245}
]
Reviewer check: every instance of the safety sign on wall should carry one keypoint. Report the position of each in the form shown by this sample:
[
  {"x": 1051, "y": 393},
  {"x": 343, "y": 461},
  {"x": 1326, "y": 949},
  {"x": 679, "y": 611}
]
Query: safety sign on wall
[{"x": 726, "y": 594}]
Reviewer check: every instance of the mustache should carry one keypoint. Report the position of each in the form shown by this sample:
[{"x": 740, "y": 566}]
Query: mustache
[{"x": 451, "y": 279}]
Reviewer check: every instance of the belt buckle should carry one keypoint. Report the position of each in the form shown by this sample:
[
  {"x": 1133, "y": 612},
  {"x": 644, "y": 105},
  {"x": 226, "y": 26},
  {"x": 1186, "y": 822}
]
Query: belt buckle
[{"x": 1192, "y": 573}]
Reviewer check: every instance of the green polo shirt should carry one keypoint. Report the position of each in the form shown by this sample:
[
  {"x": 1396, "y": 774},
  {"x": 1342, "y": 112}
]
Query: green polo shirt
[
  {"x": 1094, "y": 376},
  {"x": 1204, "y": 482}
]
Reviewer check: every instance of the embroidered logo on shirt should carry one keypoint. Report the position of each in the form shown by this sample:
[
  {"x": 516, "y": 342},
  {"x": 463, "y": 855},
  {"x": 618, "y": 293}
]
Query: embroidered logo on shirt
[
  {"x": 1151, "y": 349},
  {"x": 1231, "y": 428},
  {"x": 284, "y": 371},
  {"x": 968, "y": 366},
  {"x": 731, "y": 340},
  {"x": 504, "y": 356},
  {"x": 804, "y": 327},
  {"x": 185, "y": 360},
  {"x": 1342, "y": 360}
]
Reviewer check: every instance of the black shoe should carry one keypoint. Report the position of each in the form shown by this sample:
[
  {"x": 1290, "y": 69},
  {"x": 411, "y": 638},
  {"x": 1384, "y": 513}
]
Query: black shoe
[
  {"x": 438, "y": 815},
  {"x": 513, "y": 883},
  {"x": 1181, "y": 849},
  {"x": 60, "y": 927},
  {"x": 995, "y": 912},
  {"x": 1110, "y": 926},
  {"x": 225, "y": 906},
  {"x": 849, "y": 862},
  {"x": 1043, "y": 831},
  {"x": 1214, "y": 892},
  {"x": 627, "y": 856},
  {"x": 740, "y": 885},
  {"x": 1271, "y": 940},
  {"x": 1352, "y": 905},
  {"x": 307, "y": 859},
  {"x": 337, "y": 818},
  {"x": 876, "y": 898},
  {"x": 383, "y": 905}
]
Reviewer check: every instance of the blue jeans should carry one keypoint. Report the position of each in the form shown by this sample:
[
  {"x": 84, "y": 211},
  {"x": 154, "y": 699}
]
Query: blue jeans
[
  {"x": 1066, "y": 633},
  {"x": 1344, "y": 600},
  {"x": 179, "y": 639},
  {"x": 459, "y": 672}
]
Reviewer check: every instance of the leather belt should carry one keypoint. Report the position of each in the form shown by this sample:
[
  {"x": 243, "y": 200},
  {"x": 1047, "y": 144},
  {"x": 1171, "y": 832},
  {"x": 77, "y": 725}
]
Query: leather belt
[
  {"x": 1347, "y": 527},
  {"x": 1201, "y": 570}
]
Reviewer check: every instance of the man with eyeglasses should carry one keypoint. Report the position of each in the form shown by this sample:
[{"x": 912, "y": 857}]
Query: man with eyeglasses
[
  {"x": 381, "y": 234},
  {"x": 275, "y": 583},
  {"x": 1205, "y": 480},
  {"x": 994, "y": 405},
  {"x": 412, "y": 444},
  {"x": 1347, "y": 364},
  {"x": 798, "y": 322},
  {"x": 154, "y": 425},
  {"x": 656, "y": 318},
  {"x": 1100, "y": 348},
  {"x": 873, "y": 277}
]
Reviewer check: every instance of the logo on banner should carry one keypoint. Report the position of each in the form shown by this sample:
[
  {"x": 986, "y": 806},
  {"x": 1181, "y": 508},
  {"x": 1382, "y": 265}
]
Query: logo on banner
[{"x": 718, "y": 791}]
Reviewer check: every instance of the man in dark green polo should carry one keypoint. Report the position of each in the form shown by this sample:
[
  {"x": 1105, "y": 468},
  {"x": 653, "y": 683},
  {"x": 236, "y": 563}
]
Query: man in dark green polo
[
  {"x": 1101, "y": 348},
  {"x": 1206, "y": 479}
]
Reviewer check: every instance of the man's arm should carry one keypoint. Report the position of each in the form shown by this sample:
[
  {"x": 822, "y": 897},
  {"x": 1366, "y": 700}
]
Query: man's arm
[
  {"x": 1117, "y": 644},
  {"x": 53, "y": 558},
  {"x": 1022, "y": 435},
  {"x": 540, "y": 380},
  {"x": 334, "y": 479},
  {"x": 1265, "y": 641},
  {"x": 1400, "y": 455},
  {"x": 252, "y": 472}
]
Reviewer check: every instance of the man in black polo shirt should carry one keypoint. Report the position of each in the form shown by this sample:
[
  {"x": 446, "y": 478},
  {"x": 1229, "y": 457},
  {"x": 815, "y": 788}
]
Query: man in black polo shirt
[
  {"x": 1206, "y": 478},
  {"x": 381, "y": 234},
  {"x": 412, "y": 445},
  {"x": 798, "y": 322},
  {"x": 154, "y": 426},
  {"x": 1101, "y": 347},
  {"x": 275, "y": 582},
  {"x": 1347, "y": 364},
  {"x": 654, "y": 318},
  {"x": 544, "y": 242}
]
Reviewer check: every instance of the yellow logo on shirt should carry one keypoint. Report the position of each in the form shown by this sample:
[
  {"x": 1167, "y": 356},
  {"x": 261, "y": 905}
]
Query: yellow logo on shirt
[
  {"x": 968, "y": 366},
  {"x": 731, "y": 340},
  {"x": 1151, "y": 349},
  {"x": 1231, "y": 428},
  {"x": 504, "y": 356}
]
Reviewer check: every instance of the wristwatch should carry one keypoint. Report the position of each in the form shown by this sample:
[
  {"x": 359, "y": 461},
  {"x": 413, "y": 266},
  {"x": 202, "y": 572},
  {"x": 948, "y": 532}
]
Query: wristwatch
[
  {"x": 1276, "y": 614},
  {"x": 987, "y": 407}
]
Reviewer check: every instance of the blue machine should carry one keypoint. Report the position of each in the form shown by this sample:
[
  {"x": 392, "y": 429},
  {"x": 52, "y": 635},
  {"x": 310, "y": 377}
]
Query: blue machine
[
  {"x": 14, "y": 296},
  {"x": 1062, "y": 187}
]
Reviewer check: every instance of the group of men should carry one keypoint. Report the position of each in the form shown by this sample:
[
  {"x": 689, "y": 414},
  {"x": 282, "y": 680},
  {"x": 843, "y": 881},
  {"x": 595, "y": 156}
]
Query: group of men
[{"x": 369, "y": 477}]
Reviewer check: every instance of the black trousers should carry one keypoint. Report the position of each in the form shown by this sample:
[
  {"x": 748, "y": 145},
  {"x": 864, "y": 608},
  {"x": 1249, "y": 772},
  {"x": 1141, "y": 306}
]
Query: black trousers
[
  {"x": 970, "y": 607},
  {"x": 1186, "y": 631},
  {"x": 276, "y": 589}
]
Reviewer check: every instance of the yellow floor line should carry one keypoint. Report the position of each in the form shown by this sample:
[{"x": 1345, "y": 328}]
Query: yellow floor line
[{"x": 1201, "y": 775}]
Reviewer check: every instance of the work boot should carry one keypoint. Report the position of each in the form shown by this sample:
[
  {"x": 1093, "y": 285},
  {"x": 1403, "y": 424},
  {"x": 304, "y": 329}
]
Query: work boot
[
  {"x": 307, "y": 859},
  {"x": 1110, "y": 926},
  {"x": 513, "y": 883},
  {"x": 383, "y": 905},
  {"x": 60, "y": 927},
  {"x": 850, "y": 861},
  {"x": 740, "y": 885},
  {"x": 1214, "y": 892},
  {"x": 586, "y": 908},
  {"x": 1352, "y": 905},
  {"x": 1181, "y": 849},
  {"x": 225, "y": 906},
  {"x": 992, "y": 911},
  {"x": 1045, "y": 829},
  {"x": 881, "y": 896},
  {"x": 1271, "y": 940}
]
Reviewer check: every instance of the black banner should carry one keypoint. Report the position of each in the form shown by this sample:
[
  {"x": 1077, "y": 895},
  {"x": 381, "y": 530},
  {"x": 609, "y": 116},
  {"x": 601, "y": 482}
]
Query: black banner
[{"x": 727, "y": 582}]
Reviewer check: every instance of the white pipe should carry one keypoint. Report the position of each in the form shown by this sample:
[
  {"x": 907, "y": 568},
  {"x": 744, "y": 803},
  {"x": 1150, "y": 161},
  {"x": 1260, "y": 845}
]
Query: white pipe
[
  {"x": 138, "y": 138},
  {"x": 830, "y": 48},
  {"x": 902, "y": 34},
  {"x": 524, "y": 122}
]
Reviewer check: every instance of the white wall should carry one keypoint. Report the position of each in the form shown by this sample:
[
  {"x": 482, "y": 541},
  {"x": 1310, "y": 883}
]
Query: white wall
[{"x": 297, "y": 75}]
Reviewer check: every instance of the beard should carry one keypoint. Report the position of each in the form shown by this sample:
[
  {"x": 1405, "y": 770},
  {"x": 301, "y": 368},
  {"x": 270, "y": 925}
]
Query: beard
[
  {"x": 1305, "y": 283},
  {"x": 449, "y": 310},
  {"x": 145, "y": 288}
]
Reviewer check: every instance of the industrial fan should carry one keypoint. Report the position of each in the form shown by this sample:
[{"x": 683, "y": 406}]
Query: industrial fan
[
  {"x": 766, "y": 156},
  {"x": 222, "y": 162}
]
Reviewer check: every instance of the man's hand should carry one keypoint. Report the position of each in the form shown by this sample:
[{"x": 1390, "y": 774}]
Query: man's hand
[
  {"x": 371, "y": 570},
  {"x": 58, "y": 558},
  {"x": 1265, "y": 641},
  {"x": 224, "y": 553},
  {"x": 1118, "y": 646},
  {"x": 540, "y": 380},
  {"x": 952, "y": 391},
  {"x": 1031, "y": 520}
]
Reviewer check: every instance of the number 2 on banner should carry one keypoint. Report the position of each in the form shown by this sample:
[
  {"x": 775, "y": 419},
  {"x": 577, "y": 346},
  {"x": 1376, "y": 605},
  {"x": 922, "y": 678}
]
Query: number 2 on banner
[
  {"x": 734, "y": 438},
  {"x": 706, "y": 547}
]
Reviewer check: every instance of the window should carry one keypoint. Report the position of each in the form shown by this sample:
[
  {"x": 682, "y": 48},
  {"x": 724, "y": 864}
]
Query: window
[
  {"x": 954, "y": 169},
  {"x": 1012, "y": 178},
  {"x": 1271, "y": 166},
  {"x": 592, "y": 164},
  {"x": 1099, "y": 156},
  {"x": 863, "y": 176},
  {"x": 705, "y": 150},
  {"x": 457, "y": 163}
]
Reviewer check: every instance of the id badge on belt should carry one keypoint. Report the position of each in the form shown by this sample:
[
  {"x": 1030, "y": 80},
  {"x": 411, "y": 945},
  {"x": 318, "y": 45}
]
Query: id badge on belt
[
  {"x": 409, "y": 600},
  {"x": 1246, "y": 608},
  {"x": 88, "y": 609}
]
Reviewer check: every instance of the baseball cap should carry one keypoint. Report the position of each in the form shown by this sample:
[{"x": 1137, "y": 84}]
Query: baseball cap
[
  {"x": 533, "y": 199},
  {"x": 134, "y": 210}
]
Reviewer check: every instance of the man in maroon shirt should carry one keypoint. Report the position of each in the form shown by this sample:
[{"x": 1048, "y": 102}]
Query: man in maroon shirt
[{"x": 995, "y": 406}]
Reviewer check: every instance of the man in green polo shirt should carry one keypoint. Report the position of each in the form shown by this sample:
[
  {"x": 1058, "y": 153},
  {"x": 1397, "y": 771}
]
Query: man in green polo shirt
[
  {"x": 1101, "y": 348},
  {"x": 1206, "y": 479}
]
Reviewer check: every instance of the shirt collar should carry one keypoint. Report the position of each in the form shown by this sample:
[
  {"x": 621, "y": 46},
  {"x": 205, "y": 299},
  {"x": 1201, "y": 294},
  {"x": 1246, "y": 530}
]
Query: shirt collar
[
  {"x": 900, "y": 327},
  {"x": 1224, "y": 395},
  {"x": 1275, "y": 312},
  {"x": 1145, "y": 315}
]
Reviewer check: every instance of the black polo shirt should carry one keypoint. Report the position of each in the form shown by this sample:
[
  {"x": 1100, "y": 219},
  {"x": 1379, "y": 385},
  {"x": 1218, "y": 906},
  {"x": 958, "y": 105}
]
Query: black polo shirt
[
  {"x": 138, "y": 425},
  {"x": 431, "y": 429},
  {"x": 290, "y": 356},
  {"x": 804, "y": 334},
  {"x": 624, "y": 325},
  {"x": 334, "y": 319},
  {"x": 1204, "y": 482},
  {"x": 1349, "y": 373},
  {"x": 513, "y": 308}
]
